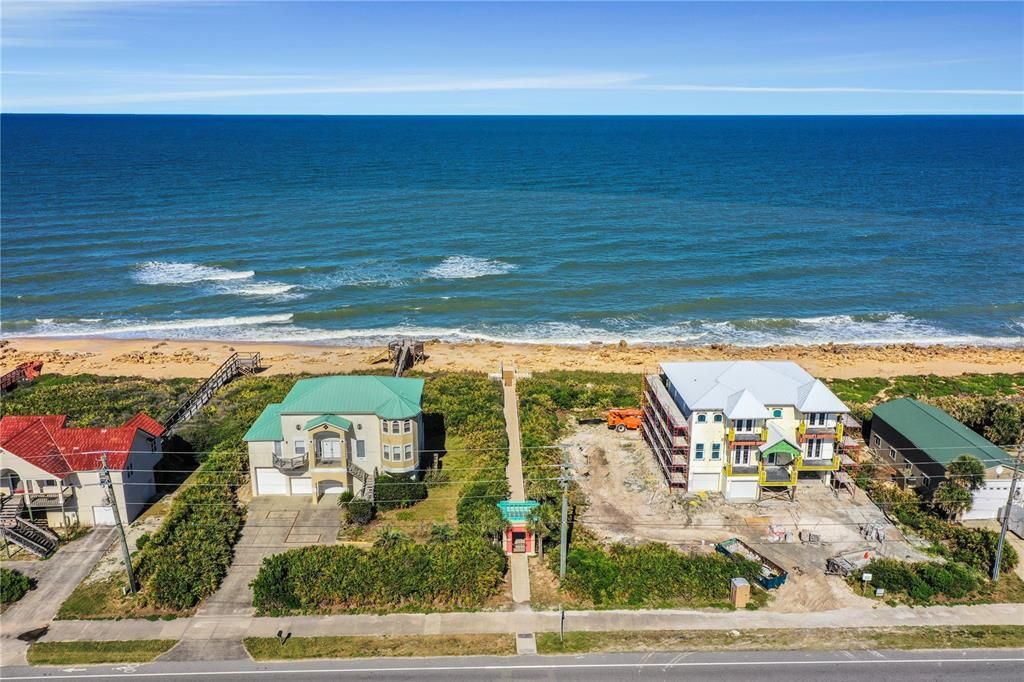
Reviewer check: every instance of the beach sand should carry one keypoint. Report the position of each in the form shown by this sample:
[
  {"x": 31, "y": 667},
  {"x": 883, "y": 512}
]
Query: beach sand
[{"x": 175, "y": 358}]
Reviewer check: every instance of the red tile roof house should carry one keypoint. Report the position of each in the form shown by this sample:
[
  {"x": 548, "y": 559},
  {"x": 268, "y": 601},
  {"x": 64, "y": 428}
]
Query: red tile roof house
[{"x": 54, "y": 468}]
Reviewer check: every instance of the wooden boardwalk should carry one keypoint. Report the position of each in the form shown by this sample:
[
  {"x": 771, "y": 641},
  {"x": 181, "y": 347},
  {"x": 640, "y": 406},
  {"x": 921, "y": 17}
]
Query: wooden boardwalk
[{"x": 519, "y": 564}]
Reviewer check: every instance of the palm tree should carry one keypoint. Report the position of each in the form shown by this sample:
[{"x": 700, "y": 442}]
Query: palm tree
[
  {"x": 966, "y": 471},
  {"x": 953, "y": 499},
  {"x": 390, "y": 537},
  {"x": 441, "y": 533}
]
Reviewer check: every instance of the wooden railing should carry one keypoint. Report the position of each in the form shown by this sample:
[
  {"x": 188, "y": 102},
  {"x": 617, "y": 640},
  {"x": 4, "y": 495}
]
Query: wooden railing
[{"x": 236, "y": 364}]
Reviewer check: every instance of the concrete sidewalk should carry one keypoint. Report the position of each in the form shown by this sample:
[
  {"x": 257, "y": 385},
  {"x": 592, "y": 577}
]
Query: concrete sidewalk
[{"x": 237, "y": 627}]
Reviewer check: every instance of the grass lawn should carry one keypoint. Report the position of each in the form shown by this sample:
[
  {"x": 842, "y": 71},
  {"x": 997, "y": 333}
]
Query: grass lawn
[
  {"x": 102, "y": 600},
  {"x": 77, "y": 653},
  {"x": 952, "y": 637},
  {"x": 270, "y": 649},
  {"x": 869, "y": 389}
]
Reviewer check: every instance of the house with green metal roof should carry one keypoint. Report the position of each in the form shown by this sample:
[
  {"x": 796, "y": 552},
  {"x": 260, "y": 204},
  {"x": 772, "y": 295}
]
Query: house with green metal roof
[
  {"x": 920, "y": 441},
  {"x": 335, "y": 434}
]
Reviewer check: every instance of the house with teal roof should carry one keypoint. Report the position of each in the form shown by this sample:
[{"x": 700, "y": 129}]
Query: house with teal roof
[{"x": 335, "y": 434}]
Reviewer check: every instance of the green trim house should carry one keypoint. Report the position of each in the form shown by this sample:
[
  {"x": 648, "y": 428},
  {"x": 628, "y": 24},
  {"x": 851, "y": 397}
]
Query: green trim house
[
  {"x": 335, "y": 434},
  {"x": 921, "y": 440}
]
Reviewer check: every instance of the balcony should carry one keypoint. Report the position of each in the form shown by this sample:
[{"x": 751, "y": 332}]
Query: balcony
[
  {"x": 756, "y": 437},
  {"x": 819, "y": 432},
  {"x": 291, "y": 463},
  {"x": 819, "y": 464},
  {"x": 741, "y": 469},
  {"x": 778, "y": 475}
]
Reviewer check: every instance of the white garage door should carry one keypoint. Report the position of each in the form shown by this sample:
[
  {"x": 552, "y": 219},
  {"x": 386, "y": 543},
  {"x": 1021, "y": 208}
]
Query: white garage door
[
  {"x": 989, "y": 500},
  {"x": 707, "y": 482},
  {"x": 103, "y": 516},
  {"x": 742, "y": 491},
  {"x": 331, "y": 488},
  {"x": 302, "y": 486},
  {"x": 271, "y": 482}
]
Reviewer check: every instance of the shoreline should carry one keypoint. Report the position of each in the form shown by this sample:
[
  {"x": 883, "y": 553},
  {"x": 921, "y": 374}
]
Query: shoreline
[{"x": 167, "y": 358}]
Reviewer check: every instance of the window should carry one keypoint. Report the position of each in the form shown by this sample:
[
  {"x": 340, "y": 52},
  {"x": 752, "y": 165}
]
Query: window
[
  {"x": 701, "y": 418},
  {"x": 777, "y": 413},
  {"x": 52, "y": 483},
  {"x": 396, "y": 426},
  {"x": 716, "y": 451},
  {"x": 278, "y": 447},
  {"x": 892, "y": 453},
  {"x": 387, "y": 452},
  {"x": 385, "y": 425},
  {"x": 814, "y": 448},
  {"x": 408, "y": 425},
  {"x": 741, "y": 455},
  {"x": 876, "y": 441},
  {"x": 743, "y": 424},
  {"x": 300, "y": 446},
  {"x": 718, "y": 418},
  {"x": 698, "y": 452},
  {"x": 360, "y": 449},
  {"x": 408, "y": 452}
]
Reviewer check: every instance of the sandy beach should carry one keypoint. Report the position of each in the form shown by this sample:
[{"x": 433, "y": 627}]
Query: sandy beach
[{"x": 175, "y": 358}]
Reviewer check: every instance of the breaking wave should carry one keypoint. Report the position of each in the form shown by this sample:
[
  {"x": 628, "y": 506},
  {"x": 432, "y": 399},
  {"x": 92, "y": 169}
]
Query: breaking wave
[
  {"x": 157, "y": 272},
  {"x": 468, "y": 267}
]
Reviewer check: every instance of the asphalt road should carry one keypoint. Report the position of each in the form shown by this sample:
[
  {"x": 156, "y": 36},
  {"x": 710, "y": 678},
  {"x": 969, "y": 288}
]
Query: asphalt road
[{"x": 794, "y": 666}]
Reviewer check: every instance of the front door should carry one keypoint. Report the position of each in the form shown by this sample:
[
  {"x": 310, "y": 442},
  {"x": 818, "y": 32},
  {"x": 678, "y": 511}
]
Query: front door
[{"x": 330, "y": 450}]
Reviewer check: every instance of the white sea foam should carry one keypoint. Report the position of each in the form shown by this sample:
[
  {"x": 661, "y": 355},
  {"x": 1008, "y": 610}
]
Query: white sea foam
[
  {"x": 867, "y": 330},
  {"x": 158, "y": 272},
  {"x": 468, "y": 267},
  {"x": 217, "y": 280}
]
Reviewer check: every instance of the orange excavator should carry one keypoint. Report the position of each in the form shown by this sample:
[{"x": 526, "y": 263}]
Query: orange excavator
[{"x": 622, "y": 418}]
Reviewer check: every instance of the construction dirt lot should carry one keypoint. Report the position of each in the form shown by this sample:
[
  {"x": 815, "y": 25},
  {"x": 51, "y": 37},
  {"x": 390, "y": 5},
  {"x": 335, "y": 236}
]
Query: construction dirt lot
[{"x": 630, "y": 502}]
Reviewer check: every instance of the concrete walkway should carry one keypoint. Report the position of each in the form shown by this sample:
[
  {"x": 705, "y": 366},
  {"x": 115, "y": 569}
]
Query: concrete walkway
[
  {"x": 56, "y": 578},
  {"x": 234, "y": 628},
  {"x": 519, "y": 567}
]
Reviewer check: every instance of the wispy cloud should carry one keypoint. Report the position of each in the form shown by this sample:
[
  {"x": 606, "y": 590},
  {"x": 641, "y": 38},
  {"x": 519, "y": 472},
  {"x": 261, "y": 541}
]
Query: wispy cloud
[
  {"x": 833, "y": 89},
  {"x": 599, "y": 81}
]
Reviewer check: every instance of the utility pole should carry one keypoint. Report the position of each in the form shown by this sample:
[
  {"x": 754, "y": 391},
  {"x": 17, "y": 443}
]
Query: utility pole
[
  {"x": 564, "y": 479},
  {"x": 108, "y": 486},
  {"x": 1006, "y": 513}
]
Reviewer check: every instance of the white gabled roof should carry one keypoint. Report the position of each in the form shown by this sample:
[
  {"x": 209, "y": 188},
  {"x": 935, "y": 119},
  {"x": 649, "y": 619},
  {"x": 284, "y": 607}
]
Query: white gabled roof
[
  {"x": 775, "y": 434},
  {"x": 721, "y": 385},
  {"x": 743, "y": 405},
  {"x": 815, "y": 397}
]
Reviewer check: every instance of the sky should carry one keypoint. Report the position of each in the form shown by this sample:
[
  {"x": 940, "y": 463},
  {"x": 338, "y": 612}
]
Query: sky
[{"x": 245, "y": 57}]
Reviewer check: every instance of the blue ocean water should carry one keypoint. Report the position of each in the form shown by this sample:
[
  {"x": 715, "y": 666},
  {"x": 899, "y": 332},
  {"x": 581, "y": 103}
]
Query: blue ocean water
[{"x": 750, "y": 230}]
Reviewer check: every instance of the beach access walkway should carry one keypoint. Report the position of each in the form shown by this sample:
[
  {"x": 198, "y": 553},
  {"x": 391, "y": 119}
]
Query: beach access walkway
[{"x": 519, "y": 567}]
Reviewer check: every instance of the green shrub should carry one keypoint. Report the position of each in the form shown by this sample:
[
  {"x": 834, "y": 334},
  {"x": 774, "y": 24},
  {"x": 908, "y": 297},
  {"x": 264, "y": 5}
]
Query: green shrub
[
  {"x": 141, "y": 541},
  {"x": 13, "y": 585},
  {"x": 922, "y": 582},
  {"x": 461, "y": 573},
  {"x": 185, "y": 560},
  {"x": 359, "y": 511},
  {"x": 397, "y": 491},
  {"x": 652, "y": 575}
]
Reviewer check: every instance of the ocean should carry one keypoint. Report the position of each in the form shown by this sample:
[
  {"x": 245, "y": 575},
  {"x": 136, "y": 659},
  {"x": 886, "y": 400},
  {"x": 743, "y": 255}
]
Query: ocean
[{"x": 692, "y": 230}]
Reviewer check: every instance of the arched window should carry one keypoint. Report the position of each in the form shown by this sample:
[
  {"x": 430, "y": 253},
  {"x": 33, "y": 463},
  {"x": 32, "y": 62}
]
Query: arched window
[
  {"x": 776, "y": 412},
  {"x": 718, "y": 418},
  {"x": 701, "y": 418}
]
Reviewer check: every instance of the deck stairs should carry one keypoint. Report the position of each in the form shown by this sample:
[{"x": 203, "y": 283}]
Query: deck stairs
[
  {"x": 26, "y": 371},
  {"x": 369, "y": 480},
  {"x": 239, "y": 364},
  {"x": 33, "y": 537}
]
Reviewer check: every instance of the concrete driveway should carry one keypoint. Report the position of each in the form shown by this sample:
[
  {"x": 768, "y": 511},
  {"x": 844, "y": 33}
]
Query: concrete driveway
[
  {"x": 272, "y": 525},
  {"x": 56, "y": 578}
]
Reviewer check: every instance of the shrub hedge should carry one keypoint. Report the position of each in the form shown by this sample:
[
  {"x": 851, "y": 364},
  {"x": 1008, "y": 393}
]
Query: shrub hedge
[
  {"x": 13, "y": 585},
  {"x": 397, "y": 491},
  {"x": 651, "y": 575},
  {"x": 185, "y": 560},
  {"x": 921, "y": 582},
  {"x": 973, "y": 547},
  {"x": 461, "y": 573}
]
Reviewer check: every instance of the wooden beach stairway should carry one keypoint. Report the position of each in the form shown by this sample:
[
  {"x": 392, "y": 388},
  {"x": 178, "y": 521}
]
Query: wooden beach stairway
[
  {"x": 238, "y": 364},
  {"x": 26, "y": 371}
]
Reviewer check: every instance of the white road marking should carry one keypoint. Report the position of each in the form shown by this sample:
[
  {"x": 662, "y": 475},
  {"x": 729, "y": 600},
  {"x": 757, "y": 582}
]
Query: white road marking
[{"x": 535, "y": 666}]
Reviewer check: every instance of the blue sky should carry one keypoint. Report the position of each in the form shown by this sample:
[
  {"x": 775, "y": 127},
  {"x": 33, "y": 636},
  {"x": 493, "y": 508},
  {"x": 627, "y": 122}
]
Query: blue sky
[{"x": 512, "y": 58}]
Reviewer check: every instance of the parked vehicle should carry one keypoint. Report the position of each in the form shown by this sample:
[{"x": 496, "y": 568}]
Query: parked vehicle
[{"x": 624, "y": 418}]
